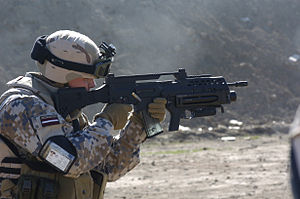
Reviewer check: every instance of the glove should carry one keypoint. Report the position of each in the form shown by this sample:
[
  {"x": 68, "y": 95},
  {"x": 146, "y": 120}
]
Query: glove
[
  {"x": 117, "y": 114},
  {"x": 157, "y": 109}
]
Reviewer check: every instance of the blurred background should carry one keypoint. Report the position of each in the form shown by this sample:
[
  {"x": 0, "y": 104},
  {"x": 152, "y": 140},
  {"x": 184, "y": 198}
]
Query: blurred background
[{"x": 257, "y": 41}]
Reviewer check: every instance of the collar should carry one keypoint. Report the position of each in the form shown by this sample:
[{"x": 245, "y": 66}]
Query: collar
[
  {"x": 41, "y": 87},
  {"x": 36, "y": 83}
]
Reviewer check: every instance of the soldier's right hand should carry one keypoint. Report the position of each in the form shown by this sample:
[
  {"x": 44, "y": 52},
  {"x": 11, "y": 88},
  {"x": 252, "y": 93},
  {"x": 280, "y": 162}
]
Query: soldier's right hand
[{"x": 117, "y": 114}]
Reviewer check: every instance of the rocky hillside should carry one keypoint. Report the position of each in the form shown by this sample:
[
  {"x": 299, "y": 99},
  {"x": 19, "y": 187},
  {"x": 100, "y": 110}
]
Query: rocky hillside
[{"x": 241, "y": 40}]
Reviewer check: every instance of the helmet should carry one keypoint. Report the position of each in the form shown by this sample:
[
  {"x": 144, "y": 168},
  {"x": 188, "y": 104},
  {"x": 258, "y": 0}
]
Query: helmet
[{"x": 66, "y": 55}]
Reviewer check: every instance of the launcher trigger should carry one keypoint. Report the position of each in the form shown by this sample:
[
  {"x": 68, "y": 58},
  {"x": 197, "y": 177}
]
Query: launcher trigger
[{"x": 222, "y": 109}]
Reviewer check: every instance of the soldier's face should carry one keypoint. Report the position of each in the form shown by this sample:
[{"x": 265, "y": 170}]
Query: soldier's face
[{"x": 82, "y": 82}]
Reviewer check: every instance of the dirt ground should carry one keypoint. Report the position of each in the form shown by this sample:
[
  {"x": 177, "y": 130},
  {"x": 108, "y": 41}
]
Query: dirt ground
[{"x": 253, "y": 166}]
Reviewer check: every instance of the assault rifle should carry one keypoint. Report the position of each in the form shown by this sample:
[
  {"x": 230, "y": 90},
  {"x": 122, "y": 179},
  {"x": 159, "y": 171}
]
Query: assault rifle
[{"x": 200, "y": 95}]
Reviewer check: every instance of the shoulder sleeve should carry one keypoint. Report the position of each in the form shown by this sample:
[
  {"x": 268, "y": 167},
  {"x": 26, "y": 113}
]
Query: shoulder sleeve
[
  {"x": 19, "y": 121},
  {"x": 124, "y": 155},
  {"x": 28, "y": 122}
]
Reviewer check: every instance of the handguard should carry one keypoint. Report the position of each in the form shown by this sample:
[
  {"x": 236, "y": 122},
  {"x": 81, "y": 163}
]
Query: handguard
[{"x": 59, "y": 152}]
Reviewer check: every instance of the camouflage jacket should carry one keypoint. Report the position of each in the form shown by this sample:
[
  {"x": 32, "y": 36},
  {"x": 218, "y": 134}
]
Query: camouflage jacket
[{"x": 27, "y": 105}]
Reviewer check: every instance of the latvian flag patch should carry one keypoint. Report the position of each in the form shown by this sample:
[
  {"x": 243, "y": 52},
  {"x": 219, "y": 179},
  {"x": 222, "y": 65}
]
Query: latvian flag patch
[{"x": 49, "y": 120}]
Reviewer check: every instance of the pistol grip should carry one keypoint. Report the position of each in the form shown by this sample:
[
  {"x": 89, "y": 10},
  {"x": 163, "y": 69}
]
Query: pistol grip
[
  {"x": 175, "y": 119},
  {"x": 174, "y": 123},
  {"x": 152, "y": 125}
]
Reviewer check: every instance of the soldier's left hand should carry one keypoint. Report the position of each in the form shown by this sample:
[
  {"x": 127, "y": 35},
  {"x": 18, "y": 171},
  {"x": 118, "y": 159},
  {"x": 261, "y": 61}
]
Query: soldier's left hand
[{"x": 157, "y": 108}]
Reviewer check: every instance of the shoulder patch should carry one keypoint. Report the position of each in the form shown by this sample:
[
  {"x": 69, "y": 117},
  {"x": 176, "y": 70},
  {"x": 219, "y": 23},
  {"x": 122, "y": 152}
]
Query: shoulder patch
[{"x": 48, "y": 120}]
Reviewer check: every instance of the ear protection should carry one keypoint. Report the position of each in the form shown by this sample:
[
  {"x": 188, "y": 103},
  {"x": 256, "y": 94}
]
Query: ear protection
[{"x": 41, "y": 53}]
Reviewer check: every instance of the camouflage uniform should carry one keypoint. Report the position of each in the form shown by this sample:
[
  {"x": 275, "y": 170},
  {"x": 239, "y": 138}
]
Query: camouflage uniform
[{"x": 28, "y": 119}]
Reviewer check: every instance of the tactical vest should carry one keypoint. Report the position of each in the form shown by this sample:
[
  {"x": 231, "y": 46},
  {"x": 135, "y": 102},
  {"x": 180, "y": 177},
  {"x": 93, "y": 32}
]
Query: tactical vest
[
  {"x": 10, "y": 169},
  {"x": 19, "y": 176}
]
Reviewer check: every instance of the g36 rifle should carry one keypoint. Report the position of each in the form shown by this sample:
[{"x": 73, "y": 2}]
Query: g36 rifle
[{"x": 200, "y": 95}]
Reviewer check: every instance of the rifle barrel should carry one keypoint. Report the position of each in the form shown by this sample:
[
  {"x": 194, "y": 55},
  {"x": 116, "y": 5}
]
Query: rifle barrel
[{"x": 238, "y": 84}]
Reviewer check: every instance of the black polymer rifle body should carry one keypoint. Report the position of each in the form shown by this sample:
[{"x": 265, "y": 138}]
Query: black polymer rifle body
[{"x": 200, "y": 95}]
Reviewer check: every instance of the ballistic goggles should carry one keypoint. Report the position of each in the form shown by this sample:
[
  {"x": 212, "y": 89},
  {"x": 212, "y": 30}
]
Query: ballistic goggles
[{"x": 41, "y": 53}]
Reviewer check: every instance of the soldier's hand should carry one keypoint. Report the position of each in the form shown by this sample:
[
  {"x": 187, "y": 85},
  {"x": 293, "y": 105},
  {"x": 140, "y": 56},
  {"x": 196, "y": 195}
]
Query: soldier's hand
[
  {"x": 157, "y": 109},
  {"x": 117, "y": 114}
]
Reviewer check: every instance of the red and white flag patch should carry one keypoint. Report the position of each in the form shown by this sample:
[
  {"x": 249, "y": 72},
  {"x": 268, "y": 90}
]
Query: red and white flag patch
[{"x": 48, "y": 120}]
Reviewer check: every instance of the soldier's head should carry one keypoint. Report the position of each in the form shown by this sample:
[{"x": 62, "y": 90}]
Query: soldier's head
[{"x": 65, "y": 56}]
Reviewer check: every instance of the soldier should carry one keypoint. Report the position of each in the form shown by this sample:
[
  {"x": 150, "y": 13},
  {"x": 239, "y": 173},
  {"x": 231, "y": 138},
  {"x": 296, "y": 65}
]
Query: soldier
[
  {"x": 295, "y": 155},
  {"x": 44, "y": 155}
]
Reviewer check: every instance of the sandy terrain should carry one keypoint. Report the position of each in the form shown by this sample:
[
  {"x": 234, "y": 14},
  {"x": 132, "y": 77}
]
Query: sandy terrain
[{"x": 250, "y": 167}]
